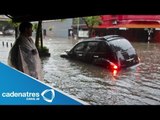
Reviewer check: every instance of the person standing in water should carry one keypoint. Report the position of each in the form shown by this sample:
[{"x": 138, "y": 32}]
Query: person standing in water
[{"x": 24, "y": 55}]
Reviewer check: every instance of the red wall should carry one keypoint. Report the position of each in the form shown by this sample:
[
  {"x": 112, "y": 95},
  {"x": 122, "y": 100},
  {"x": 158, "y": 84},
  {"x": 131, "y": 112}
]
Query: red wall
[{"x": 107, "y": 20}]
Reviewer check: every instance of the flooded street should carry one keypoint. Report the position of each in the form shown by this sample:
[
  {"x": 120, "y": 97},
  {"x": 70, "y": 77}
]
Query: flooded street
[{"x": 96, "y": 85}]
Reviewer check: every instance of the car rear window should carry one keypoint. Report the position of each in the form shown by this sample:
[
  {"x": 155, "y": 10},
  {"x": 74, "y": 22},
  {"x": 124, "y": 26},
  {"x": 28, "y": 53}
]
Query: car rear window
[{"x": 120, "y": 44}]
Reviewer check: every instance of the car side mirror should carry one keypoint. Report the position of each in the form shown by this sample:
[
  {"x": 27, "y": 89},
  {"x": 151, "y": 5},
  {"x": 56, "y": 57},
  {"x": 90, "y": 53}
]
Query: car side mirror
[
  {"x": 77, "y": 50},
  {"x": 67, "y": 52}
]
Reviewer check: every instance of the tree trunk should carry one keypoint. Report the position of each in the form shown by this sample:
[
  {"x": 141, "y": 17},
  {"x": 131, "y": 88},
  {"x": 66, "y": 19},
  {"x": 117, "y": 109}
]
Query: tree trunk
[
  {"x": 89, "y": 28},
  {"x": 91, "y": 32},
  {"x": 38, "y": 33},
  {"x": 16, "y": 32},
  {"x": 41, "y": 36}
]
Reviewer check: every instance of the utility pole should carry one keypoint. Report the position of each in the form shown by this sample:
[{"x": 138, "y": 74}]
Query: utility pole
[
  {"x": 150, "y": 30},
  {"x": 77, "y": 28}
]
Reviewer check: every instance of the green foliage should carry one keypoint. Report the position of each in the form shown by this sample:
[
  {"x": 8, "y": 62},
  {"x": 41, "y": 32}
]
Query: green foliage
[
  {"x": 43, "y": 49},
  {"x": 61, "y": 20},
  {"x": 92, "y": 21},
  {"x": 50, "y": 29},
  {"x": 1, "y": 24},
  {"x": 75, "y": 20},
  {"x": 35, "y": 26},
  {"x": 14, "y": 24}
]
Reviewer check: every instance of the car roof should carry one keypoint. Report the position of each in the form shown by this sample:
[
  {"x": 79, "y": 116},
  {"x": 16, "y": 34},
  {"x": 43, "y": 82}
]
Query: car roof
[
  {"x": 104, "y": 38},
  {"x": 112, "y": 37},
  {"x": 90, "y": 40}
]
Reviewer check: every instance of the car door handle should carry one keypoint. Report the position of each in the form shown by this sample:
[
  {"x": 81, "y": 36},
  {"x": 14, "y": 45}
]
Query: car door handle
[
  {"x": 130, "y": 59},
  {"x": 96, "y": 56},
  {"x": 80, "y": 54}
]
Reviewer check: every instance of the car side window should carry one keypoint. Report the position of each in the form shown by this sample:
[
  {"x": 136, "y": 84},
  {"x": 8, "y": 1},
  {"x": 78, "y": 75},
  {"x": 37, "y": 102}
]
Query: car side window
[
  {"x": 102, "y": 48},
  {"x": 80, "y": 47},
  {"x": 91, "y": 47}
]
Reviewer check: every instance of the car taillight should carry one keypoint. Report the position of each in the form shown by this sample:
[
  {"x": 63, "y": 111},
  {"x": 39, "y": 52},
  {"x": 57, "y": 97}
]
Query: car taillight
[
  {"x": 114, "y": 69},
  {"x": 113, "y": 66},
  {"x": 115, "y": 72}
]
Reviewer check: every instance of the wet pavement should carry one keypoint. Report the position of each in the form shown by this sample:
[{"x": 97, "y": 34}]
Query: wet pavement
[{"x": 96, "y": 85}]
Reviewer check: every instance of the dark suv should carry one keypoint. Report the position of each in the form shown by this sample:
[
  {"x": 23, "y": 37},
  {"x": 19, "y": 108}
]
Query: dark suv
[{"x": 111, "y": 51}]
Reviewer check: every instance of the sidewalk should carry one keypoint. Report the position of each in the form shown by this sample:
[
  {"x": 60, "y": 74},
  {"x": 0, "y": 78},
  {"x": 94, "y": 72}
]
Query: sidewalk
[{"x": 4, "y": 50}]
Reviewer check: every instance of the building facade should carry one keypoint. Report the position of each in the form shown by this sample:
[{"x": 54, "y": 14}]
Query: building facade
[{"x": 140, "y": 28}]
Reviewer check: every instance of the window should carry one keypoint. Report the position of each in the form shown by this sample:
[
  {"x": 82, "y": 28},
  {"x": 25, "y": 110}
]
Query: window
[
  {"x": 120, "y": 44},
  {"x": 80, "y": 47},
  {"x": 92, "y": 46}
]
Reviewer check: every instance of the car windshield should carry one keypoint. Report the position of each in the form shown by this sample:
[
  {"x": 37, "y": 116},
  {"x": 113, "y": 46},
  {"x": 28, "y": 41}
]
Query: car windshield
[{"x": 120, "y": 44}]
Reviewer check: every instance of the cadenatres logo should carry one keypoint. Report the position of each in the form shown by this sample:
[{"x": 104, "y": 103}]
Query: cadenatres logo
[
  {"x": 48, "y": 95},
  {"x": 51, "y": 96}
]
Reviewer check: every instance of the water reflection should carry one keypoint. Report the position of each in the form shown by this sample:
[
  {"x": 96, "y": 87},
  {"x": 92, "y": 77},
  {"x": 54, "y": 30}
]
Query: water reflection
[
  {"x": 115, "y": 73},
  {"x": 99, "y": 86}
]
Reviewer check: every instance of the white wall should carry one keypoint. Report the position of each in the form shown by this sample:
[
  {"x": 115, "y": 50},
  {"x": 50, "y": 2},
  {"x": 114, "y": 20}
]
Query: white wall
[{"x": 59, "y": 28}]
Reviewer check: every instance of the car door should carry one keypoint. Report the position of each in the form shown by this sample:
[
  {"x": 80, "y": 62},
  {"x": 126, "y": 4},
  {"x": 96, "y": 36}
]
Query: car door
[
  {"x": 79, "y": 50},
  {"x": 101, "y": 51},
  {"x": 101, "y": 54},
  {"x": 90, "y": 51},
  {"x": 126, "y": 54}
]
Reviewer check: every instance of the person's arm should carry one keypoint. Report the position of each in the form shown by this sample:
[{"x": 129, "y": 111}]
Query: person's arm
[{"x": 22, "y": 65}]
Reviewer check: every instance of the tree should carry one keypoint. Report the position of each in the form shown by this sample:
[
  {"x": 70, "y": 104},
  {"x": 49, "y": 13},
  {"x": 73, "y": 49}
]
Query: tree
[
  {"x": 91, "y": 22},
  {"x": 35, "y": 26},
  {"x": 15, "y": 25}
]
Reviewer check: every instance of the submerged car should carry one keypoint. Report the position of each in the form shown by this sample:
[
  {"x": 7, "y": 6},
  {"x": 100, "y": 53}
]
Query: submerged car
[{"x": 112, "y": 51}]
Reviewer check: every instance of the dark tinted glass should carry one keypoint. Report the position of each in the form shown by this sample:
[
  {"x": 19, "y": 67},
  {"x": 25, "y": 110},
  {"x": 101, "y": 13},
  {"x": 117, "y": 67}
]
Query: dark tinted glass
[
  {"x": 80, "y": 47},
  {"x": 120, "y": 44}
]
